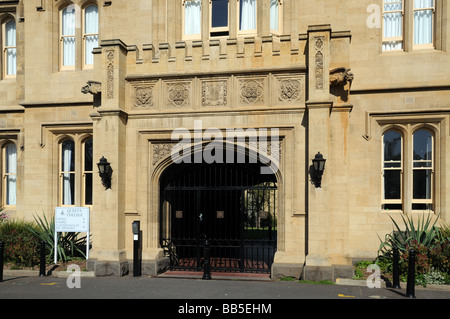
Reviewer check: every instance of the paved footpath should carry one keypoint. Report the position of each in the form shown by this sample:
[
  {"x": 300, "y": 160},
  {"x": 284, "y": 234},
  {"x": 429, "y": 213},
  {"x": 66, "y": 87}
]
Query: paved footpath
[
  {"x": 182, "y": 289},
  {"x": 197, "y": 298}
]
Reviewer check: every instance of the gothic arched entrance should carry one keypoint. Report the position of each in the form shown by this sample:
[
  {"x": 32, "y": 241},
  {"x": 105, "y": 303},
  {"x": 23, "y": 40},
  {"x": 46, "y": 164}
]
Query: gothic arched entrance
[{"x": 232, "y": 205}]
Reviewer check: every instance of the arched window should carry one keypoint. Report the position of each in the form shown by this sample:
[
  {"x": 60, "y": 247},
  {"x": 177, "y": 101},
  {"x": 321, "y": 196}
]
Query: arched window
[
  {"x": 68, "y": 50},
  {"x": 87, "y": 171},
  {"x": 67, "y": 173},
  {"x": 408, "y": 178},
  {"x": 9, "y": 48},
  {"x": 392, "y": 169},
  {"x": 423, "y": 150},
  {"x": 9, "y": 174},
  {"x": 90, "y": 35}
]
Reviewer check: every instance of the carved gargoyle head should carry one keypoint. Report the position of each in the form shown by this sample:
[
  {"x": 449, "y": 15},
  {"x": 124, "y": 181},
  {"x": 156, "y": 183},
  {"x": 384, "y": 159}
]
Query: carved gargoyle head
[
  {"x": 92, "y": 87},
  {"x": 341, "y": 76}
]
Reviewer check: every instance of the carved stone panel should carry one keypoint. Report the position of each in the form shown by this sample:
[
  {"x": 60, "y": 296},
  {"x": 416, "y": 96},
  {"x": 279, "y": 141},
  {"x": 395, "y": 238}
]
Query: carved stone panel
[
  {"x": 110, "y": 74},
  {"x": 251, "y": 91},
  {"x": 289, "y": 89},
  {"x": 319, "y": 45},
  {"x": 144, "y": 95},
  {"x": 215, "y": 93},
  {"x": 161, "y": 151},
  {"x": 178, "y": 94}
]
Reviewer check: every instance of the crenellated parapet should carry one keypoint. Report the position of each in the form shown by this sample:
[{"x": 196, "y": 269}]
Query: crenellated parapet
[
  {"x": 229, "y": 74},
  {"x": 218, "y": 55}
]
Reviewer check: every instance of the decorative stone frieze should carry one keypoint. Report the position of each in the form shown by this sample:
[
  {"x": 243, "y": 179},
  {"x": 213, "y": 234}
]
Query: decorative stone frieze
[{"x": 228, "y": 92}]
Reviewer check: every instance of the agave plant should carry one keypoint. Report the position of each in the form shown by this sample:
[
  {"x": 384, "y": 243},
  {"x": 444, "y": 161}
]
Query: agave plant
[
  {"x": 67, "y": 244},
  {"x": 444, "y": 232},
  {"x": 424, "y": 233}
]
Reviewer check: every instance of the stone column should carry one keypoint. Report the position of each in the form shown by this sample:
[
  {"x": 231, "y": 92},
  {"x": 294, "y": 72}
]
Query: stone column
[
  {"x": 107, "y": 218},
  {"x": 319, "y": 103}
]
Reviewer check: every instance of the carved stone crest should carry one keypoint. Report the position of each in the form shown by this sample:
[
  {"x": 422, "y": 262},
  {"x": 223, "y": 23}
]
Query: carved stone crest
[
  {"x": 214, "y": 93},
  {"x": 252, "y": 91},
  {"x": 178, "y": 94}
]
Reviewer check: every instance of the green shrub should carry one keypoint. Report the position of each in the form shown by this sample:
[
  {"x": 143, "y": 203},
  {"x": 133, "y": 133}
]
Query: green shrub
[
  {"x": 424, "y": 234},
  {"x": 445, "y": 231},
  {"x": 434, "y": 277},
  {"x": 431, "y": 245},
  {"x": 21, "y": 245},
  {"x": 361, "y": 269},
  {"x": 3, "y": 216},
  {"x": 68, "y": 244}
]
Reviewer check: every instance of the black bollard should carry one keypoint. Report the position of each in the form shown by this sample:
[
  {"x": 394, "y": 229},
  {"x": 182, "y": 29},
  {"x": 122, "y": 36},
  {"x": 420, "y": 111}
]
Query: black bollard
[
  {"x": 42, "y": 261},
  {"x": 411, "y": 274},
  {"x": 395, "y": 270},
  {"x": 207, "y": 265},
  {"x": 137, "y": 260},
  {"x": 2, "y": 255}
]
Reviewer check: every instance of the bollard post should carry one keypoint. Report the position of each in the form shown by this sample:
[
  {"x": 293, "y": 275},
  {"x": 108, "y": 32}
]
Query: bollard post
[
  {"x": 2, "y": 255},
  {"x": 207, "y": 265},
  {"x": 42, "y": 260},
  {"x": 411, "y": 274},
  {"x": 395, "y": 270},
  {"x": 137, "y": 268}
]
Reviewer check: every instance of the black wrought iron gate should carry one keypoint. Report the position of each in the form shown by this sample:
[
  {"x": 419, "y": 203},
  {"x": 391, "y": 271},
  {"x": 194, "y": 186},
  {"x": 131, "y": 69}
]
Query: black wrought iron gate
[{"x": 232, "y": 206}]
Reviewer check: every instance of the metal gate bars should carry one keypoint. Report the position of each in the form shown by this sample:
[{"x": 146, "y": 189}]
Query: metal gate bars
[{"x": 231, "y": 206}]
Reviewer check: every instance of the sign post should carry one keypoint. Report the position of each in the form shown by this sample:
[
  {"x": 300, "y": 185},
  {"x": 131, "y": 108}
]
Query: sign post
[{"x": 71, "y": 219}]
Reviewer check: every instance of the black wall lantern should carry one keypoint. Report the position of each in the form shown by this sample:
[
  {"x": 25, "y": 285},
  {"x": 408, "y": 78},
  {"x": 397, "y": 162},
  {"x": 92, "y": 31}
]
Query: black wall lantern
[
  {"x": 105, "y": 172},
  {"x": 318, "y": 168}
]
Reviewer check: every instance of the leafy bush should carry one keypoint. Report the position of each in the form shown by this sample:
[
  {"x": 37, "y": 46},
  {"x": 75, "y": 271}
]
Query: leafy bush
[
  {"x": 431, "y": 245},
  {"x": 433, "y": 277},
  {"x": 424, "y": 234},
  {"x": 361, "y": 269},
  {"x": 3, "y": 216},
  {"x": 21, "y": 246},
  {"x": 445, "y": 231},
  {"x": 68, "y": 244}
]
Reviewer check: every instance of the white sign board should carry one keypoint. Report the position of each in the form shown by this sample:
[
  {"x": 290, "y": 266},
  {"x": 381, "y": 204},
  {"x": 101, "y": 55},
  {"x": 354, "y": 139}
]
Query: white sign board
[{"x": 72, "y": 219}]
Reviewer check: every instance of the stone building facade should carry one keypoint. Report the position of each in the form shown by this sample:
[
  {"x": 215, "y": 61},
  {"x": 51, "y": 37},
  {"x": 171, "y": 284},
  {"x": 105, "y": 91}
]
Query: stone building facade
[{"x": 364, "y": 83}]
